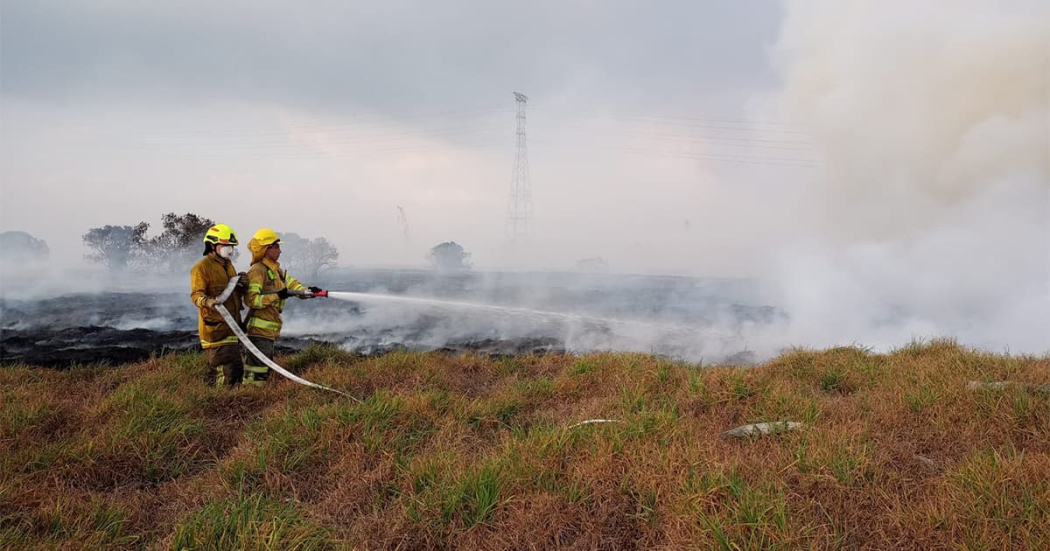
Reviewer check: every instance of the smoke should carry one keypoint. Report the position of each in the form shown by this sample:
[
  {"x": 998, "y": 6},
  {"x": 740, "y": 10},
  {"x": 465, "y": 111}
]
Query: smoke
[
  {"x": 47, "y": 280},
  {"x": 929, "y": 215},
  {"x": 676, "y": 317}
]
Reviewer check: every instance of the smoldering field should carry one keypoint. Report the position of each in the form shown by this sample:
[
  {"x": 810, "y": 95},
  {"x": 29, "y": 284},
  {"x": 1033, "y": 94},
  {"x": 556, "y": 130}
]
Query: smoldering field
[{"x": 699, "y": 320}]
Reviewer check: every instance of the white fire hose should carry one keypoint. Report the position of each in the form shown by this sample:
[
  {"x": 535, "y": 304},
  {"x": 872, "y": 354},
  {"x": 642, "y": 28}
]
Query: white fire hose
[{"x": 221, "y": 309}]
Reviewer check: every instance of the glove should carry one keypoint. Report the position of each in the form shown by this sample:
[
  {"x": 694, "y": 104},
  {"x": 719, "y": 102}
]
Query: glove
[
  {"x": 283, "y": 294},
  {"x": 315, "y": 290},
  {"x": 242, "y": 280},
  {"x": 211, "y": 303}
]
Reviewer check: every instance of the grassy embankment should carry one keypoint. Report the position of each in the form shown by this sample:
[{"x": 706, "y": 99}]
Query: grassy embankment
[{"x": 477, "y": 452}]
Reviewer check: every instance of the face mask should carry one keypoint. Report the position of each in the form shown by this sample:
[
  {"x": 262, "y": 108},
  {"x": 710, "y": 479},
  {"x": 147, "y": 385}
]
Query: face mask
[{"x": 224, "y": 251}]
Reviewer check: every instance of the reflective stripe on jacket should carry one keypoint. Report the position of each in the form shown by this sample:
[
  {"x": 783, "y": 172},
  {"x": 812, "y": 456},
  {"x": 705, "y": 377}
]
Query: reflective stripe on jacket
[
  {"x": 208, "y": 278},
  {"x": 265, "y": 279}
]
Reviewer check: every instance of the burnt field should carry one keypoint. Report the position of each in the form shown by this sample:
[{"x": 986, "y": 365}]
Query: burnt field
[{"x": 695, "y": 319}]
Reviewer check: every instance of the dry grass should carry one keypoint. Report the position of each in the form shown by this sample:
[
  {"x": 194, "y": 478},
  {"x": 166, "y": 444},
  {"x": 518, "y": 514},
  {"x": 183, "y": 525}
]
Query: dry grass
[{"x": 476, "y": 452}]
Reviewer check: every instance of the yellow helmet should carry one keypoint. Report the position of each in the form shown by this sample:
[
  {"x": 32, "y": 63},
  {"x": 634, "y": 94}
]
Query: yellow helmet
[
  {"x": 220, "y": 234},
  {"x": 266, "y": 237}
]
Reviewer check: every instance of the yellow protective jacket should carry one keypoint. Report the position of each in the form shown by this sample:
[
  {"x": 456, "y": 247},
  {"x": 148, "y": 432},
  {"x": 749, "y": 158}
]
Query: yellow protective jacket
[
  {"x": 208, "y": 279},
  {"x": 265, "y": 279}
]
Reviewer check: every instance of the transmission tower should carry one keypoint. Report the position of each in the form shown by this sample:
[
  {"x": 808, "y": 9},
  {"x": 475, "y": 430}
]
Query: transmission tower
[
  {"x": 404, "y": 225},
  {"x": 519, "y": 204}
]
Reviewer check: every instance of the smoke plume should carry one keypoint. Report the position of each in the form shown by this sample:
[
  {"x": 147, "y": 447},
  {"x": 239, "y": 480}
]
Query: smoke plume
[{"x": 929, "y": 215}]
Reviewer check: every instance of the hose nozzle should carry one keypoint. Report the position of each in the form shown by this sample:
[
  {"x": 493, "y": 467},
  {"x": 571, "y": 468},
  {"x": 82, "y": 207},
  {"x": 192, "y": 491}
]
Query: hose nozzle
[{"x": 308, "y": 294}]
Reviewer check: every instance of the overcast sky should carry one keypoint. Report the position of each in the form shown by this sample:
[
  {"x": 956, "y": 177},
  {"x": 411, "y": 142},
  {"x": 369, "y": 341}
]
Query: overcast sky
[{"x": 324, "y": 117}]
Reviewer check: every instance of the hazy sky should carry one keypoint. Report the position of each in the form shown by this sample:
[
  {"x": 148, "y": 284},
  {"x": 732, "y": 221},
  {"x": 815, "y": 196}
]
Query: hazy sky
[{"x": 323, "y": 119}]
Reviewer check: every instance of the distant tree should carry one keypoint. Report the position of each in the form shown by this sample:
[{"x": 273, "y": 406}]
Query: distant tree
[
  {"x": 307, "y": 257},
  {"x": 184, "y": 231},
  {"x": 18, "y": 247},
  {"x": 449, "y": 257},
  {"x": 180, "y": 244},
  {"x": 175, "y": 249},
  {"x": 116, "y": 247}
]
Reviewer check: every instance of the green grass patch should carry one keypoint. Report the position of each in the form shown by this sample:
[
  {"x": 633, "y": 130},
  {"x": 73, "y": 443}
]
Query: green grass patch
[
  {"x": 285, "y": 442},
  {"x": 736, "y": 513},
  {"x": 582, "y": 366},
  {"x": 251, "y": 522},
  {"x": 921, "y": 398},
  {"x": 1003, "y": 503},
  {"x": 474, "y": 496}
]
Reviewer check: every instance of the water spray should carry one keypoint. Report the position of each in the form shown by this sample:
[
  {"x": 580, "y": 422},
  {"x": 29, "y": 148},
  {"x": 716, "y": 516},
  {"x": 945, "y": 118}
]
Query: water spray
[{"x": 524, "y": 312}]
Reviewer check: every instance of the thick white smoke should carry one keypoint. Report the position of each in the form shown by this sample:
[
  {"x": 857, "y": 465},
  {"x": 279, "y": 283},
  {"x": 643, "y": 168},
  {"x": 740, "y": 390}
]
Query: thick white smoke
[{"x": 929, "y": 215}]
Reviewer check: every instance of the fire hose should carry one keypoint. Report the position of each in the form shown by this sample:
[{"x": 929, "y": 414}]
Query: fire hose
[{"x": 221, "y": 309}]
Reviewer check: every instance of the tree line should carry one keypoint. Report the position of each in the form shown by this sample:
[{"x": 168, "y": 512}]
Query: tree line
[{"x": 179, "y": 245}]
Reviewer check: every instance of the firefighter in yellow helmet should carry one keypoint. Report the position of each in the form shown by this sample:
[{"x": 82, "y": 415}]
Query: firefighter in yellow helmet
[
  {"x": 268, "y": 288},
  {"x": 208, "y": 279}
]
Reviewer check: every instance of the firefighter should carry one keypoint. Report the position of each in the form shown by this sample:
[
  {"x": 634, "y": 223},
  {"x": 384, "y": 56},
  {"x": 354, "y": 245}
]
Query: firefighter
[
  {"x": 208, "y": 279},
  {"x": 268, "y": 288}
]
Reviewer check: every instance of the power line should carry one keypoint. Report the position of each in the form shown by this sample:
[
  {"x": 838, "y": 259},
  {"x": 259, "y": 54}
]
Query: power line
[
  {"x": 315, "y": 154},
  {"x": 736, "y": 141},
  {"x": 407, "y": 135},
  {"x": 700, "y": 138},
  {"x": 699, "y": 123},
  {"x": 706, "y": 119},
  {"x": 694, "y": 155},
  {"x": 376, "y": 121}
]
